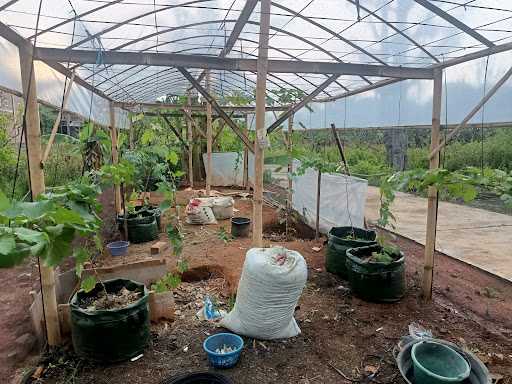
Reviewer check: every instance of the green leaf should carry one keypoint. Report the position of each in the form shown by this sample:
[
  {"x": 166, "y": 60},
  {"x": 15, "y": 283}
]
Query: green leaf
[
  {"x": 173, "y": 157},
  {"x": 30, "y": 236},
  {"x": 4, "y": 202},
  {"x": 165, "y": 205},
  {"x": 7, "y": 244},
  {"x": 29, "y": 210},
  {"x": 88, "y": 284}
]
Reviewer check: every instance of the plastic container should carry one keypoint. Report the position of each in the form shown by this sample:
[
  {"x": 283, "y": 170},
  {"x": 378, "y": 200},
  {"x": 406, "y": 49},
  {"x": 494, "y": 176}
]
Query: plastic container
[
  {"x": 143, "y": 232},
  {"x": 198, "y": 378},
  {"x": 436, "y": 363},
  {"x": 118, "y": 248},
  {"x": 338, "y": 244},
  {"x": 240, "y": 226},
  {"x": 479, "y": 373},
  {"x": 223, "y": 360},
  {"x": 375, "y": 281},
  {"x": 110, "y": 335}
]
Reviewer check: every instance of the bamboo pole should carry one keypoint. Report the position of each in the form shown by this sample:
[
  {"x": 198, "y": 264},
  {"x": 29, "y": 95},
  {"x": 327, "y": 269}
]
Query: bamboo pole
[
  {"x": 115, "y": 156},
  {"x": 190, "y": 145},
  {"x": 318, "y": 189},
  {"x": 261, "y": 132},
  {"x": 246, "y": 156},
  {"x": 56, "y": 124},
  {"x": 36, "y": 175},
  {"x": 289, "y": 144},
  {"x": 430, "y": 243},
  {"x": 131, "y": 144},
  {"x": 208, "y": 138}
]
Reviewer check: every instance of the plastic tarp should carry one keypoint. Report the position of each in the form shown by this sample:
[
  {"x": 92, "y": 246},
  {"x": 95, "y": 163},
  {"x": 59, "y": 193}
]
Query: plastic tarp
[
  {"x": 50, "y": 89},
  {"x": 228, "y": 168},
  {"x": 342, "y": 199}
]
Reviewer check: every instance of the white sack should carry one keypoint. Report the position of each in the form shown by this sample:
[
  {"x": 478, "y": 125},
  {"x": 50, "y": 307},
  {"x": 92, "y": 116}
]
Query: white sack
[
  {"x": 199, "y": 212},
  {"x": 342, "y": 199},
  {"x": 267, "y": 294}
]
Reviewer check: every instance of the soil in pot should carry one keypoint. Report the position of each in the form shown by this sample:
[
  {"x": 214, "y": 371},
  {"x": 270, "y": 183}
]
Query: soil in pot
[
  {"x": 376, "y": 273},
  {"x": 340, "y": 240},
  {"x": 113, "y": 329}
]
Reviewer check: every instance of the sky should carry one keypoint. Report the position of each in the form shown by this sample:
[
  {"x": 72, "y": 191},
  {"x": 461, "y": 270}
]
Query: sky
[{"x": 291, "y": 37}]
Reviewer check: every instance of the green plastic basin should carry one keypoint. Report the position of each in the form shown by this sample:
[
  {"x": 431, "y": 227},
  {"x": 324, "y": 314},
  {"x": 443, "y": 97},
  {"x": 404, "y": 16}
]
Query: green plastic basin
[{"x": 436, "y": 363}]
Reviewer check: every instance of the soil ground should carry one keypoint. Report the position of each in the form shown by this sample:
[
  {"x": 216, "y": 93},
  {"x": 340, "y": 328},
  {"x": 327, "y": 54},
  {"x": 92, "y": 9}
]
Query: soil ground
[{"x": 470, "y": 307}]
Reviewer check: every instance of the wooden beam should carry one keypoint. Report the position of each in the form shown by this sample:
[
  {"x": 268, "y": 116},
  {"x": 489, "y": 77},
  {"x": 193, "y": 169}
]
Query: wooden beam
[
  {"x": 37, "y": 186},
  {"x": 194, "y": 123},
  {"x": 430, "y": 242},
  {"x": 235, "y": 32},
  {"x": 217, "y": 108},
  {"x": 246, "y": 157},
  {"x": 198, "y": 107},
  {"x": 115, "y": 156},
  {"x": 232, "y": 64},
  {"x": 209, "y": 168},
  {"x": 190, "y": 145},
  {"x": 301, "y": 104},
  {"x": 289, "y": 199},
  {"x": 175, "y": 131},
  {"x": 454, "y": 21},
  {"x": 473, "y": 112},
  {"x": 261, "y": 132},
  {"x": 56, "y": 124},
  {"x": 340, "y": 148}
]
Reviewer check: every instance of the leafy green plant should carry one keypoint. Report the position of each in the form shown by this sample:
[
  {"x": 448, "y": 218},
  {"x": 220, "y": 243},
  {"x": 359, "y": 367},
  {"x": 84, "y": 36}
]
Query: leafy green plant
[
  {"x": 223, "y": 235},
  {"x": 167, "y": 283},
  {"x": 46, "y": 227}
]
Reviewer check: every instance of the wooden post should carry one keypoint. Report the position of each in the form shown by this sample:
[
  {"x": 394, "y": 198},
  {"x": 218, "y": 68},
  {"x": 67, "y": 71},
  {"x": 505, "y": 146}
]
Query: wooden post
[
  {"x": 56, "y": 124},
  {"x": 115, "y": 156},
  {"x": 289, "y": 144},
  {"x": 261, "y": 132},
  {"x": 246, "y": 157},
  {"x": 208, "y": 138},
  {"x": 190, "y": 146},
  {"x": 318, "y": 189},
  {"x": 131, "y": 144},
  {"x": 36, "y": 174},
  {"x": 430, "y": 243}
]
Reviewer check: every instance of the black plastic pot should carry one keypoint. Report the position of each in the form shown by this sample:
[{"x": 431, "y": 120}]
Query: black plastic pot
[
  {"x": 337, "y": 246},
  {"x": 144, "y": 232},
  {"x": 375, "y": 281},
  {"x": 198, "y": 378},
  {"x": 111, "y": 335},
  {"x": 240, "y": 226}
]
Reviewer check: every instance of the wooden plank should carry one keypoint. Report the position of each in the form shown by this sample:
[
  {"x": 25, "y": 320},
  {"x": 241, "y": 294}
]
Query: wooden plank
[
  {"x": 217, "y": 108},
  {"x": 179, "y": 60},
  {"x": 289, "y": 199},
  {"x": 115, "y": 155},
  {"x": 340, "y": 148},
  {"x": 37, "y": 186},
  {"x": 454, "y": 21},
  {"x": 56, "y": 124},
  {"x": 159, "y": 247},
  {"x": 318, "y": 191},
  {"x": 193, "y": 122},
  {"x": 261, "y": 132},
  {"x": 246, "y": 157},
  {"x": 209, "y": 168},
  {"x": 430, "y": 242}
]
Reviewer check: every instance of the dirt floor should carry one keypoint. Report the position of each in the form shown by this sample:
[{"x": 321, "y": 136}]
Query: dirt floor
[{"x": 470, "y": 307}]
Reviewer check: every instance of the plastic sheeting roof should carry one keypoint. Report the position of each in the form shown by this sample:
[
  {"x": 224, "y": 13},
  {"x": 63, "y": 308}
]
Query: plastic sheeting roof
[{"x": 389, "y": 32}]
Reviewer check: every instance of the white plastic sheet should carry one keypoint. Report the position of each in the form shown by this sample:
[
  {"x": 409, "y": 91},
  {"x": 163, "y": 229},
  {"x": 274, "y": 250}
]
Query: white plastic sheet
[
  {"x": 228, "y": 168},
  {"x": 342, "y": 199}
]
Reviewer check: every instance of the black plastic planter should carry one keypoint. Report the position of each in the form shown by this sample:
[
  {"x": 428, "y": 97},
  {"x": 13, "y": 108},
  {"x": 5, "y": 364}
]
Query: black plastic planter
[
  {"x": 240, "y": 226},
  {"x": 111, "y": 335},
  {"x": 337, "y": 246},
  {"x": 375, "y": 281}
]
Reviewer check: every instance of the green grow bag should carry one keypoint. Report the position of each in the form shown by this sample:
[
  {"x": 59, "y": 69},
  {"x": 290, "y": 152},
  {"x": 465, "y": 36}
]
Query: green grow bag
[
  {"x": 142, "y": 233},
  {"x": 111, "y": 335},
  {"x": 337, "y": 246},
  {"x": 375, "y": 281}
]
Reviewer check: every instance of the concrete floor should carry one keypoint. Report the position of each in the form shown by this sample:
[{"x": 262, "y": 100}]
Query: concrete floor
[{"x": 475, "y": 236}]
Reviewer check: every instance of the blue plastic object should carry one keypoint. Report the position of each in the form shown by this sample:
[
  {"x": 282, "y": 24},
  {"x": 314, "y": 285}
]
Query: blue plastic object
[
  {"x": 217, "y": 341},
  {"x": 118, "y": 248}
]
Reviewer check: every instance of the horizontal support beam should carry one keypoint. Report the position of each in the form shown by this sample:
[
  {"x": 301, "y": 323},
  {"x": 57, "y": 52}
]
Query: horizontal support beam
[
  {"x": 231, "y": 64},
  {"x": 200, "y": 107}
]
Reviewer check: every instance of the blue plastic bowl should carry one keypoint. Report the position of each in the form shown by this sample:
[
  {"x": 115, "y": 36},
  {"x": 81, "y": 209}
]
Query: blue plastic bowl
[
  {"x": 223, "y": 360},
  {"x": 118, "y": 248}
]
